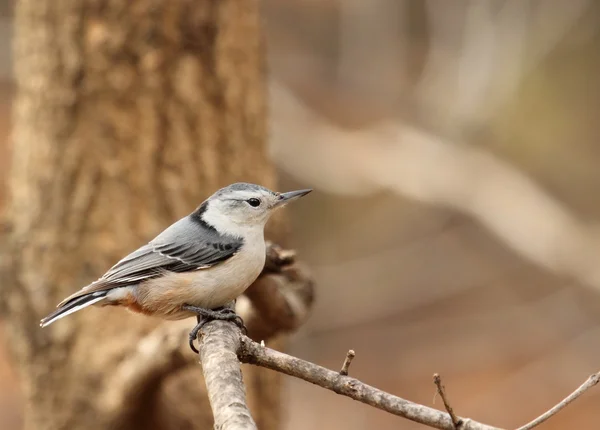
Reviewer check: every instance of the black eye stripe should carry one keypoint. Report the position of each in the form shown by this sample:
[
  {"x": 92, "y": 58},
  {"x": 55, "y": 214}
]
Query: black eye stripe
[{"x": 253, "y": 202}]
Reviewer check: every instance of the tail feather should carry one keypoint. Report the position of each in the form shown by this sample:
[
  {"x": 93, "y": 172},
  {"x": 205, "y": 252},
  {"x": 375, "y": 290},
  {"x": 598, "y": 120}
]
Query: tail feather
[{"x": 73, "y": 306}]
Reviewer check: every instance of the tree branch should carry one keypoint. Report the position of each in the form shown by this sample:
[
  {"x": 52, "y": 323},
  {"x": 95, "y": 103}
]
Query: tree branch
[
  {"x": 589, "y": 383},
  {"x": 224, "y": 348},
  {"x": 219, "y": 344},
  {"x": 253, "y": 353},
  {"x": 279, "y": 300}
]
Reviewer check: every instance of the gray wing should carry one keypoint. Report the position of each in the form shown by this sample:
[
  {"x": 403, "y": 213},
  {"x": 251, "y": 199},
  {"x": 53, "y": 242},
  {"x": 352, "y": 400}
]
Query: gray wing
[{"x": 187, "y": 245}]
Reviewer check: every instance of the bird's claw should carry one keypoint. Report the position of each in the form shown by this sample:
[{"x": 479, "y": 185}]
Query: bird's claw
[
  {"x": 206, "y": 315},
  {"x": 194, "y": 334}
]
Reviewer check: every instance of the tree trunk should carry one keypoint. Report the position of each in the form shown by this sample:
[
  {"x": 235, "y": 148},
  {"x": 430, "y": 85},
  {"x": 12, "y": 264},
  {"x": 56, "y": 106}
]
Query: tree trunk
[{"x": 127, "y": 115}]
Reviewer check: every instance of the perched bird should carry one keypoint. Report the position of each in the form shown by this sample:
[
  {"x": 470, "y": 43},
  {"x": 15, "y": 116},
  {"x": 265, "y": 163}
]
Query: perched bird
[{"x": 196, "y": 266}]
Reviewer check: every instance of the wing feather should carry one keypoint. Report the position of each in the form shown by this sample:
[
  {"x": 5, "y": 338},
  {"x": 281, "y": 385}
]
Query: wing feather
[{"x": 185, "y": 246}]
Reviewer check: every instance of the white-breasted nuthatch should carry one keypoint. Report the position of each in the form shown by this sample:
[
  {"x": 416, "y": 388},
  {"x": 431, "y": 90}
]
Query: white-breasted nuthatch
[{"x": 196, "y": 266}]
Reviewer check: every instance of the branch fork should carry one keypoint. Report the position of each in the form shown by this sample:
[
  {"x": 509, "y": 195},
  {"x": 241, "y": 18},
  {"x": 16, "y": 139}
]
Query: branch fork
[
  {"x": 224, "y": 348},
  {"x": 284, "y": 288}
]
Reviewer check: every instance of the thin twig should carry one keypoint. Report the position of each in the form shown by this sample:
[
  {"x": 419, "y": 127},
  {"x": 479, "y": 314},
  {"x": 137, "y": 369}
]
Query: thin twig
[
  {"x": 349, "y": 357},
  {"x": 437, "y": 380},
  {"x": 253, "y": 353},
  {"x": 589, "y": 383}
]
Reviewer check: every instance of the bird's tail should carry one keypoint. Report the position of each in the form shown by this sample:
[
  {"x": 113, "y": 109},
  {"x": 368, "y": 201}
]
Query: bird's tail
[{"x": 72, "y": 306}]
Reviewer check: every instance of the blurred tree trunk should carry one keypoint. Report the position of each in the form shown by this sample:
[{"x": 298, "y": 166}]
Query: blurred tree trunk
[{"x": 128, "y": 114}]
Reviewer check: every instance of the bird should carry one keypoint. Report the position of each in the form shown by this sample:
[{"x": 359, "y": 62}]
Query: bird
[{"x": 196, "y": 266}]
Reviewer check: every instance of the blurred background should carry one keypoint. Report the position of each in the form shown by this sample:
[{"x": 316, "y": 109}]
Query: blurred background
[{"x": 454, "y": 151}]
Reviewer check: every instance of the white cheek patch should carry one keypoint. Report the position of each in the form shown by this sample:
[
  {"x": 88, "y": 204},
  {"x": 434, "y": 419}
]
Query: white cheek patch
[{"x": 223, "y": 223}]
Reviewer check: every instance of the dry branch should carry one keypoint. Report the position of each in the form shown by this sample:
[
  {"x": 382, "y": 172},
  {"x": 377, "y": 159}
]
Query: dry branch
[
  {"x": 218, "y": 354},
  {"x": 253, "y": 353},
  {"x": 347, "y": 362},
  {"x": 437, "y": 380},
  {"x": 589, "y": 383},
  {"x": 280, "y": 290},
  {"x": 226, "y": 389},
  {"x": 286, "y": 290}
]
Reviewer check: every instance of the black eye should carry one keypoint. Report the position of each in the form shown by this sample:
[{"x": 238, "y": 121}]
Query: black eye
[{"x": 253, "y": 202}]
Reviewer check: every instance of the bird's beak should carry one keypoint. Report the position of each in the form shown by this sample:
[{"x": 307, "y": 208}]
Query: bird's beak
[{"x": 285, "y": 198}]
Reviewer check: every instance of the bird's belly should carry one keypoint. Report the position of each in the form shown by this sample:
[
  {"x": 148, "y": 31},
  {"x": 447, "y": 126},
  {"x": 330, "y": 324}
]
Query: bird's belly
[
  {"x": 222, "y": 284},
  {"x": 207, "y": 288}
]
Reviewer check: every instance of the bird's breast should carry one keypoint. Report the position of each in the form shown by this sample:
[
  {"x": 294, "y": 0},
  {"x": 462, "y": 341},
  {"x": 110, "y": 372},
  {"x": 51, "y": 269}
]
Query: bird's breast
[{"x": 224, "y": 282}]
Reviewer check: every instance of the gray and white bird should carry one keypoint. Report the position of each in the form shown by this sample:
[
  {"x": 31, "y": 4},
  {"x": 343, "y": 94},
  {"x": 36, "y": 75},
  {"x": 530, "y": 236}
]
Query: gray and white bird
[{"x": 196, "y": 266}]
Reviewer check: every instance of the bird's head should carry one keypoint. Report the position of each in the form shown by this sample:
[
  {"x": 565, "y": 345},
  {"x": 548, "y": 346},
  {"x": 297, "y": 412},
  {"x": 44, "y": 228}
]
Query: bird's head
[{"x": 244, "y": 205}]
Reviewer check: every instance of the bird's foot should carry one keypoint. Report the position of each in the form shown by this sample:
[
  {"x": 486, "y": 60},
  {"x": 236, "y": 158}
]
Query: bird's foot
[
  {"x": 194, "y": 333},
  {"x": 206, "y": 315}
]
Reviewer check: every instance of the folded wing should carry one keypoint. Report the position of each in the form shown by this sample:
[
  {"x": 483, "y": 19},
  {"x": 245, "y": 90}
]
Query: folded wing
[{"x": 185, "y": 246}]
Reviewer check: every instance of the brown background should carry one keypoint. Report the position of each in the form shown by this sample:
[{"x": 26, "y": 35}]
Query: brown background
[{"x": 413, "y": 286}]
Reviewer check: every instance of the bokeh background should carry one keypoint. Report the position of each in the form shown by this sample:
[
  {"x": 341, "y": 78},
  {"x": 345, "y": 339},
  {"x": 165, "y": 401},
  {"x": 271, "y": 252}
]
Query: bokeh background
[{"x": 454, "y": 150}]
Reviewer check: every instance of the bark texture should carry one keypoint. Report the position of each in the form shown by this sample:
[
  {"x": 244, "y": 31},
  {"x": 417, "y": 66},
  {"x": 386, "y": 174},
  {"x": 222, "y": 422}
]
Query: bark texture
[
  {"x": 128, "y": 114},
  {"x": 218, "y": 355}
]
